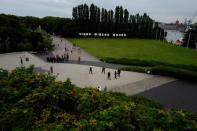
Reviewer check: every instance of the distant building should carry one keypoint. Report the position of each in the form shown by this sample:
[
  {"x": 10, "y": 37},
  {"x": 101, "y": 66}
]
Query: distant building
[
  {"x": 174, "y": 35},
  {"x": 177, "y": 27},
  {"x": 175, "y": 32}
]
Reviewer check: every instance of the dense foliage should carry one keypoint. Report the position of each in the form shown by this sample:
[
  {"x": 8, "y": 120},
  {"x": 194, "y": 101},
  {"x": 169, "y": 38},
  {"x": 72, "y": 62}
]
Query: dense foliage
[
  {"x": 30, "y": 101},
  {"x": 22, "y": 34}
]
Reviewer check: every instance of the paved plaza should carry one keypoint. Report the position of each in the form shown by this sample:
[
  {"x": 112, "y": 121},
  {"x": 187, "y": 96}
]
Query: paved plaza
[
  {"x": 162, "y": 89},
  {"x": 129, "y": 82},
  {"x": 79, "y": 74}
]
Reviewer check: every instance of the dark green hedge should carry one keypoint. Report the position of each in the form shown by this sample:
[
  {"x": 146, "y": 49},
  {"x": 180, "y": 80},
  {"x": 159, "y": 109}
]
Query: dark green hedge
[
  {"x": 145, "y": 63},
  {"x": 165, "y": 71},
  {"x": 38, "y": 102},
  {"x": 136, "y": 69},
  {"x": 174, "y": 72}
]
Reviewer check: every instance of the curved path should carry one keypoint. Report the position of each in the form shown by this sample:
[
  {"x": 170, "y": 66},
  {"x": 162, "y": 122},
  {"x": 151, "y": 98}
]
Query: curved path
[{"x": 176, "y": 94}]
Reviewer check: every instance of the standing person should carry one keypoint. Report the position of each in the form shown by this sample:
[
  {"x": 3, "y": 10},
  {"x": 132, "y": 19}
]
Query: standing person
[
  {"x": 21, "y": 61},
  {"x": 67, "y": 57},
  {"x": 115, "y": 75},
  {"x": 99, "y": 88},
  {"x": 119, "y": 71},
  {"x": 51, "y": 69},
  {"x": 90, "y": 70},
  {"x": 109, "y": 76},
  {"x": 103, "y": 70},
  {"x": 79, "y": 59},
  {"x": 105, "y": 89}
]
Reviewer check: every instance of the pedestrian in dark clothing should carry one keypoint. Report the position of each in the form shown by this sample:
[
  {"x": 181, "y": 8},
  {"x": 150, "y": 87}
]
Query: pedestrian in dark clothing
[
  {"x": 90, "y": 70},
  {"x": 115, "y": 75},
  {"x": 79, "y": 59},
  {"x": 119, "y": 71},
  {"x": 27, "y": 59},
  {"x": 109, "y": 76},
  {"x": 103, "y": 70},
  {"x": 51, "y": 69},
  {"x": 21, "y": 61},
  {"x": 47, "y": 59},
  {"x": 67, "y": 57}
]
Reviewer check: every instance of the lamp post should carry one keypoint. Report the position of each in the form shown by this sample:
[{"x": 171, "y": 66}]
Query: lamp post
[
  {"x": 190, "y": 32},
  {"x": 188, "y": 39},
  {"x": 160, "y": 35}
]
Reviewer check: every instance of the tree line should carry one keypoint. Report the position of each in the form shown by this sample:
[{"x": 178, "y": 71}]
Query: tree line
[
  {"x": 19, "y": 33},
  {"x": 92, "y": 19},
  {"x": 95, "y": 20}
]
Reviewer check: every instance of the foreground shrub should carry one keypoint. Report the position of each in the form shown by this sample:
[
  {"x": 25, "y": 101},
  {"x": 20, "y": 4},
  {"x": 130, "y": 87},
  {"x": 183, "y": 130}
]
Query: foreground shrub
[
  {"x": 38, "y": 102},
  {"x": 150, "y": 63}
]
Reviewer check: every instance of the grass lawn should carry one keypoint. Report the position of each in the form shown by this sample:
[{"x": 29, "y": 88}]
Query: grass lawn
[{"x": 138, "y": 49}]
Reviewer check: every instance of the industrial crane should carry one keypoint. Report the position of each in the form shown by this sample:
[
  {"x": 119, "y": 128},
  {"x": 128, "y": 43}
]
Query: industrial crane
[
  {"x": 192, "y": 19},
  {"x": 189, "y": 22},
  {"x": 189, "y": 28}
]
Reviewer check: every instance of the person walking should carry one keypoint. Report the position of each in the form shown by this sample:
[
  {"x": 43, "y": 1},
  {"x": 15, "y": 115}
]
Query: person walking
[
  {"x": 51, "y": 69},
  {"x": 79, "y": 59},
  {"x": 115, "y": 75},
  {"x": 90, "y": 70},
  {"x": 109, "y": 76},
  {"x": 119, "y": 71},
  {"x": 67, "y": 57},
  {"x": 103, "y": 70},
  {"x": 99, "y": 88},
  {"x": 21, "y": 61}
]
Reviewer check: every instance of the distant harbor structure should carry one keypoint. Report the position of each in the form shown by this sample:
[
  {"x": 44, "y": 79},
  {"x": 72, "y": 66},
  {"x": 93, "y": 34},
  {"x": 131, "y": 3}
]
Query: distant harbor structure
[{"x": 175, "y": 32}]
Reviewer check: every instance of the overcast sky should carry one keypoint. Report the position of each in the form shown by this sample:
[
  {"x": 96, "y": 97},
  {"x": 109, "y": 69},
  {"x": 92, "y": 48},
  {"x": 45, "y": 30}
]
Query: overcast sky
[{"x": 159, "y": 10}]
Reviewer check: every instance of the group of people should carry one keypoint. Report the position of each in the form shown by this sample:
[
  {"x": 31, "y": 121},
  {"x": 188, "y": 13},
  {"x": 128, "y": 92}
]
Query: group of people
[
  {"x": 21, "y": 60},
  {"x": 116, "y": 73},
  {"x": 58, "y": 59}
]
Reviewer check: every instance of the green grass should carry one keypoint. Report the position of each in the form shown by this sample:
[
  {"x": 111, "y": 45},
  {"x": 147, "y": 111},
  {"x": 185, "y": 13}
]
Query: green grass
[{"x": 138, "y": 49}]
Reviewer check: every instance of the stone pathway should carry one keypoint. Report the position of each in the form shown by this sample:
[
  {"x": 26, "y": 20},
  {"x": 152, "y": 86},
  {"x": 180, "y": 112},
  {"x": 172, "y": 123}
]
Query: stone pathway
[{"x": 61, "y": 44}]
